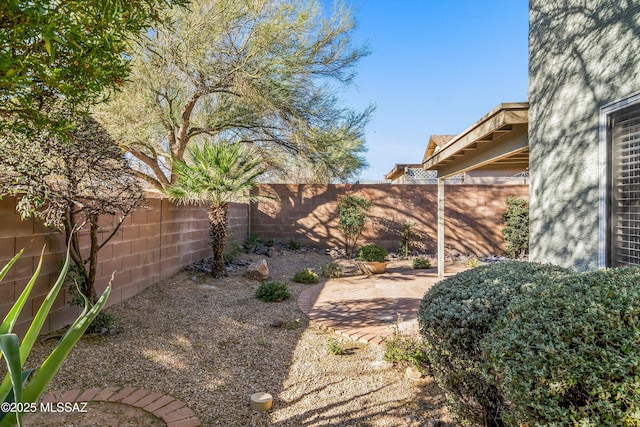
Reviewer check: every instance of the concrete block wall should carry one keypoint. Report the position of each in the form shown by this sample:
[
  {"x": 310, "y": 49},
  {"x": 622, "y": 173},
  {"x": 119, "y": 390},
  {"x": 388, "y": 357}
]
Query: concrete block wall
[
  {"x": 153, "y": 243},
  {"x": 156, "y": 241},
  {"x": 308, "y": 214}
]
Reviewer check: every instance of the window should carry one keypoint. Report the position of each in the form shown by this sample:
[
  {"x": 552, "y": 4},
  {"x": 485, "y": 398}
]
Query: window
[{"x": 620, "y": 158}]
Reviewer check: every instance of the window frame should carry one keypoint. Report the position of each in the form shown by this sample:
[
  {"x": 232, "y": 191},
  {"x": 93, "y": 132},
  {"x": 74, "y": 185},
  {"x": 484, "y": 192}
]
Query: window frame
[{"x": 604, "y": 209}]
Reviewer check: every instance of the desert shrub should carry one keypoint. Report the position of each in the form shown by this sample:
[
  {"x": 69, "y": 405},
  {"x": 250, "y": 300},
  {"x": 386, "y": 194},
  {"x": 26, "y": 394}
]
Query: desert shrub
[
  {"x": 271, "y": 291},
  {"x": 372, "y": 253},
  {"x": 407, "y": 234},
  {"x": 102, "y": 322},
  {"x": 232, "y": 253},
  {"x": 473, "y": 262},
  {"x": 421, "y": 263},
  {"x": 332, "y": 270},
  {"x": 455, "y": 315},
  {"x": 406, "y": 349},
  {"x": 251, "y": 243},
  {"x": 566, "y": 352},
  {"x": 353, "y": 213},
  {"x": 335, "y": 347},
  {"x": 516, "y": 228},
  {"x": 294, "y": 246},
  {"x": 305, "y": 276},
  {"x": 402, "y": 348}
]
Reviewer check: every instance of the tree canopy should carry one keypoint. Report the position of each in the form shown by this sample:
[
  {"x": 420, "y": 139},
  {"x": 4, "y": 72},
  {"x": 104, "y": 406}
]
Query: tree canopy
[
  {"x": 70, "y": 180},
  {"x": 262, "y": 72},
  {"x": 65, "y": 49}
]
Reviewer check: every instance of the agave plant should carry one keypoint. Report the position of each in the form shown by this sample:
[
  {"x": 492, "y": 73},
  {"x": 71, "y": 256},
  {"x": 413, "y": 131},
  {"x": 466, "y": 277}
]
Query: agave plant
[{"x": 25, "y": 386}]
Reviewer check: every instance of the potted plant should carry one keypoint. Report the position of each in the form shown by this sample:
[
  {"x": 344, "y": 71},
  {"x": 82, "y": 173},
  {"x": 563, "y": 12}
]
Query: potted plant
[{"x": 372, "y": 259}]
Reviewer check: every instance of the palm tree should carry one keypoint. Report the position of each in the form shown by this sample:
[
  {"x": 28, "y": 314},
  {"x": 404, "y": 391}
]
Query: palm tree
[{"x": 217, "y": 173}]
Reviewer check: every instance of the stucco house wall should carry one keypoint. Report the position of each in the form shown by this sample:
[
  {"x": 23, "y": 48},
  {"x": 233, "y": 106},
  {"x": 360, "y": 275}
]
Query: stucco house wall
[{"x": 583, "y": 55}]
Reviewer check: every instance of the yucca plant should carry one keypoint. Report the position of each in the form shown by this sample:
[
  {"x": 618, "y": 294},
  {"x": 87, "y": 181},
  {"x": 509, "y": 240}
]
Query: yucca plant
[{"x": 26, "y": 386}]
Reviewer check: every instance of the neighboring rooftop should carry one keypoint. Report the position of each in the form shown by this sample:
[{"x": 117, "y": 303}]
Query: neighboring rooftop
[
  {"x": 497, "y": 140},
  {"x": 436, "y": 143},
  {"x": 400, "y": 169}
]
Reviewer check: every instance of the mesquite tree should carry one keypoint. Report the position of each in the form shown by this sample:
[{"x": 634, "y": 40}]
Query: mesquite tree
[
  {"x": 68, "y": 181},
  {"x": 264, "y": 72}
]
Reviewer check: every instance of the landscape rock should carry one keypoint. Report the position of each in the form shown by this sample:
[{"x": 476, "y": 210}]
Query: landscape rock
[
  {"x": 262, "y": 250},
  {"x": 259, "y": 271},
  {"x": 413, "y": 373},
  {"x": 277, "y": 322}
]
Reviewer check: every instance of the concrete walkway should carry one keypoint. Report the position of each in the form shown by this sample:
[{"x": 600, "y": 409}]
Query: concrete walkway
[{"x": 366, "y": 308}]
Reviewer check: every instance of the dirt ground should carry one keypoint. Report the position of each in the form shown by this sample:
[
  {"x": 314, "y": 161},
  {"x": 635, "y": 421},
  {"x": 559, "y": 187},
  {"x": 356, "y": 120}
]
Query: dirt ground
[{"x": 210, "y": 343}]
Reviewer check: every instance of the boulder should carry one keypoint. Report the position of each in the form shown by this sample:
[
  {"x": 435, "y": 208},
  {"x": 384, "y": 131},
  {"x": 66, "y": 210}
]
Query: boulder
[
  {"x": 413, "y": 373},
  {"x": 259, "y": 271}
]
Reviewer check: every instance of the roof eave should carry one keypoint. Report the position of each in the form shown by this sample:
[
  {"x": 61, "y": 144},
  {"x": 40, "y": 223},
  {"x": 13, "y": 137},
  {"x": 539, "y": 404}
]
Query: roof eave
[{"x": 501, "y": 117}]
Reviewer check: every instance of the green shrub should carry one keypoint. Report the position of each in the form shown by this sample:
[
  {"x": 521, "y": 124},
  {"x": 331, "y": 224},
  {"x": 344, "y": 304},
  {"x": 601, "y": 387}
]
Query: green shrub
[
  {"x": 407, "y": 234},
  {"x": 406, "y": 349},
  {"x": 271, "y": 291},
  {"x": 372, "y": 253},
  {"x": 232, "y": 253},
  {"x": 473, "y": 262},
  {"x": 455, "y": 315},
  {"x": 568, "y": 351},
  {"x": 332, "y": 270},
  {"x": 353, "y": 213},
  {"x": 335, "y": 347},
  {"x": 305, "y": 276},
  {"x": 102, "y": 321},
  {"x": 294, "y": 246},
  {"x": 421, "y": 263},
  {"x": 516, "y": 228},
  {"x": 251, "y": 243}
]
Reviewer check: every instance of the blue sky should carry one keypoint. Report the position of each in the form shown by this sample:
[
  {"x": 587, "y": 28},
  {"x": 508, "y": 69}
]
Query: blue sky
[{"x": 436, "y": 67}]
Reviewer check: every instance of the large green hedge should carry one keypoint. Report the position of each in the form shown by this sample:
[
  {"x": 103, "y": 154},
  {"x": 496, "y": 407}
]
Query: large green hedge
[
  {"x": 567, "y": 352},
  {"x": 455, "y": 315},
  {"x": 516, "y": 228}
]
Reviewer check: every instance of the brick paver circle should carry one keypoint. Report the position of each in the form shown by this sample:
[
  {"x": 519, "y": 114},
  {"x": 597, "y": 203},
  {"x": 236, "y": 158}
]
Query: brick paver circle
[{"x": 172, "y": 411}]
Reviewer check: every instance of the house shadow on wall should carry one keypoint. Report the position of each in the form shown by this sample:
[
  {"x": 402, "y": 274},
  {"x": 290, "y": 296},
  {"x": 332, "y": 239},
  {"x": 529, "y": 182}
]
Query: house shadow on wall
[{"x": 307, "y": 214}]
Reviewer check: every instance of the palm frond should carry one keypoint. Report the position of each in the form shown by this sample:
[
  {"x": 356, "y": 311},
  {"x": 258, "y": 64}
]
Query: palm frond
[{"x": 216, "y": 173}]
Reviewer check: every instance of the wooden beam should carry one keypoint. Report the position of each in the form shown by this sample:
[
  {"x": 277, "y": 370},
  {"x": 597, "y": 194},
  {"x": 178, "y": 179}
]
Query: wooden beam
[
  {"x": 499, "y": 120},
  {"x": 514, "y": 144},
  {"x": 441, "y": 228}
]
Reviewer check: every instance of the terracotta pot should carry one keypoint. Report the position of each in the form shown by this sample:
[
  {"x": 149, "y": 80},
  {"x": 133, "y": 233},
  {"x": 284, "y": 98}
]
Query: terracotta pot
[{"x": 372, "y": 267}]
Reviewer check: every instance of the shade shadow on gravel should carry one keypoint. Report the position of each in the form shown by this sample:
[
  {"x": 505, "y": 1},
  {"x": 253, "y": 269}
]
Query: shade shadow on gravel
[{"x": 209, "y": 342}]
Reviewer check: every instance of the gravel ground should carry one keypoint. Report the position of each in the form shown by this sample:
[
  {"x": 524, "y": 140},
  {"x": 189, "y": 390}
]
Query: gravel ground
[{"x": 210, "y": 343}]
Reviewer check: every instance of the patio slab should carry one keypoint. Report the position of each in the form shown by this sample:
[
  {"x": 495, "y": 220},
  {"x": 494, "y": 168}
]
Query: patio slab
[{"x": 366, "y": 308}]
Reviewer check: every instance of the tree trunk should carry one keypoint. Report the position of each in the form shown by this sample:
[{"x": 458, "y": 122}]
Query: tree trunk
[
  {"x": 71, "y": 239},
  {"x": 218, "y": 234},
  {"x": 93, "y": 261}
]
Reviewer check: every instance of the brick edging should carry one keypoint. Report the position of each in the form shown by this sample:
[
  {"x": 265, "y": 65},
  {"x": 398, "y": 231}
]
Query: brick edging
[
  {"x": 305, "y": 304},
  {"x": 172, "y": 411}
]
